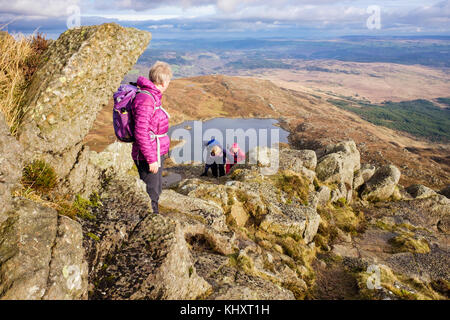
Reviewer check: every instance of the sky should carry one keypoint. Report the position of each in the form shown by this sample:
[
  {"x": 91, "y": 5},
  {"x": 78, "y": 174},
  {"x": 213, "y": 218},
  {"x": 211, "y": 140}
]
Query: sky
[{"x": 184, "y": 19}]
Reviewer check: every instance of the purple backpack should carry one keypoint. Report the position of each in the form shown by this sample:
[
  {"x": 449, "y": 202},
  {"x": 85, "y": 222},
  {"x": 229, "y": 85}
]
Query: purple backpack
[{"x": 122, "y": 111}]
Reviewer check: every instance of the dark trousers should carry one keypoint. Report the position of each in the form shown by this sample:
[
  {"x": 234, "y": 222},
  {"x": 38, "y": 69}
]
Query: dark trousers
[
  {"x": 218, "y": 170},
  {"x": 152, "y": 180}
]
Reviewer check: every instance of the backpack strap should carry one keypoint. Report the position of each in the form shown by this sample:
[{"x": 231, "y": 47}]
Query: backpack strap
[{"x": 156, "y": 108}]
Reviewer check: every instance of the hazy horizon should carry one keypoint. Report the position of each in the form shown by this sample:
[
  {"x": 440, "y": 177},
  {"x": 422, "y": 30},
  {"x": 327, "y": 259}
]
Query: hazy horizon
[{"x": 231, "y": 19}]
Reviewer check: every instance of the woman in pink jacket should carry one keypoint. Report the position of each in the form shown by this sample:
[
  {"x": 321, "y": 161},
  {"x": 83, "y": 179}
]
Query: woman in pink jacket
[{"x": 151, "y": 124}]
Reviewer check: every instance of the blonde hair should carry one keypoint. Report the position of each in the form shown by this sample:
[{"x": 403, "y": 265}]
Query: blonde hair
[
  {"x": 216, "y": 150},
  {"x": 160, "y": 73}
]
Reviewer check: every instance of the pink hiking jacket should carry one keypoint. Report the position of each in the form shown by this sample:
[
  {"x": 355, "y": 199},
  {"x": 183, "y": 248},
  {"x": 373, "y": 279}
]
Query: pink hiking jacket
[
  {"x": 148, "y": 121},
  {"x": 240, "y": 154}
]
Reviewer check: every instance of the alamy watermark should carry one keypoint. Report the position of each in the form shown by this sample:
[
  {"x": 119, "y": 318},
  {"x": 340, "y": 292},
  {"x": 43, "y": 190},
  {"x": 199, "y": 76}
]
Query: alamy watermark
[
  {"x": 374, "y": 21},
  {"x": 263, "y": 145},
  {"x": 74, "y": 17},
  {"x": 374, "y": 280}
]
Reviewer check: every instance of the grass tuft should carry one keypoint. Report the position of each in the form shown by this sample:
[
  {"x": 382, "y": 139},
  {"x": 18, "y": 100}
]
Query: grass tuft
[
  {"x": 39, "y": 176},
  {"x": 19, "y": 60}
]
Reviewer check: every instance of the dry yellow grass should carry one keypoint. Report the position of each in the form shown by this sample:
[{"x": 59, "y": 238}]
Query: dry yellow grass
[
  {"x": 19, "y": 58},
  {"x": 13, "y": 56}
]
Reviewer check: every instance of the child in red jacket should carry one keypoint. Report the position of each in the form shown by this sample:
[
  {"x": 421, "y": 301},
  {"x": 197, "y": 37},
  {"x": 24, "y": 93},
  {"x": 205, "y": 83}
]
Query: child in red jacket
[
  {"x": 238, "y": 157},
  {"x": 151, "y": 124}
]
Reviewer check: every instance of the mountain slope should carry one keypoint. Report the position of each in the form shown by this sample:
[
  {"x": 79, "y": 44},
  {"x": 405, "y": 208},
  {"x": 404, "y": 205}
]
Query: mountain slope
[{"x": 313, "y": 121}]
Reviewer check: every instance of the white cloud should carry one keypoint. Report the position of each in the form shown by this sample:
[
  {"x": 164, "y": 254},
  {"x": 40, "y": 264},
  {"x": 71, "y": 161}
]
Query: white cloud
[
  {"x": 41, "y": 8},
  {"x": 235, "y": 14}
]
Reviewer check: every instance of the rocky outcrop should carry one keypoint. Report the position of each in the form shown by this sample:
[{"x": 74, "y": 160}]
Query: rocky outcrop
[
  {"x": 319, "y": 197},
  {"x": 92, "y": 168},
  {"x": 337, "y": 164},
  {"x": 154, "y": 263},
  {"x": 80, "y": 72},
  {"x": 10, "y": 166},
  {"x": 363, "y": 175},
  {"x": 296, "y": 160},
  {"x": 297, "y": 221},
  {"x": 41, "y": 255},
  {"x": 207, "y": 212},
  {"x": 382, "y": 184}
]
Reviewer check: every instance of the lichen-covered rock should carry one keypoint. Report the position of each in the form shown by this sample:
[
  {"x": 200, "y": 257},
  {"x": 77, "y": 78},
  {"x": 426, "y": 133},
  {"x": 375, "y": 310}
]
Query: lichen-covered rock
[
  {"x": 238, "y": 214},
  {"x": 297, "y": 221},
  {"x": 79, "y": 74},
  {"x": 206, "y": 211},
  {"x": 268, "y": 265},
  {"x": 367, "y": 171},
  {"x": 313, "y": 221},
  {"x": 68, "y": 268},
  {"x": 281, "y": 224},
  {"x": 320, "y": 197},
  {"x": 230, "y": 284},
  {"x": 420, "y": 191},
  {"x": 10, "y": 166},
  {"x": 154, "y": 263},
  {"x": 382, "y": 184},
  {"x": 363, "y": 175},
  {"x": 41, "y": 255},
  {"x": 268, "y": 159},
  {"x": 114, "y": 219},
  {"x": 114, "y": 160},
  {"x": 295, "y": 160},
  {"x": 358, "y": 180},
  {"x": 330, "y": 168},
  {"x": 338, "y": 163},
  {"x": 196, "y": 189}
]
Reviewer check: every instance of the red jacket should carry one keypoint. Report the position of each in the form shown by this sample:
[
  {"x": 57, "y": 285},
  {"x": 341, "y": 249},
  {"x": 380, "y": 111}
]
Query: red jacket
[{"x": 147, "y": 121}]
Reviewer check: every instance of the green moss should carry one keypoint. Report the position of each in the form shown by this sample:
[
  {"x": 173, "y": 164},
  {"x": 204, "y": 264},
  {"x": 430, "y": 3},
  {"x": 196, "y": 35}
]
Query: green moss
[
  {"x": 233, "y": 259},
  {"x": 40, "y": 176},
  {"x": 401, "y": 286},
  {"x": 80, "y": 207},
  {"x": 93, "y": 236},
  {"x": 295, "y": 186},
  {"x": 341, "y": 202},
  {"x": 405, "y": 243},
  {"x": 346, "y": 219}
]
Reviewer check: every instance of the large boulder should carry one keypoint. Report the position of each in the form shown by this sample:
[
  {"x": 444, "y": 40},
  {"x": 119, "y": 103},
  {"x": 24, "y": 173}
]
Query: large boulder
[
  {"x": 298, "y": 221},
  {"x": 296, "y": 160},
  {"x": 338, "y": 163},
  {"x": 205, "y": 211},
  {"x": 41, "y": 255},
  {"x": 382, "y": 184},
  {"x": 10, "y": 165},
  {"x": 79, "y": 74}
]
